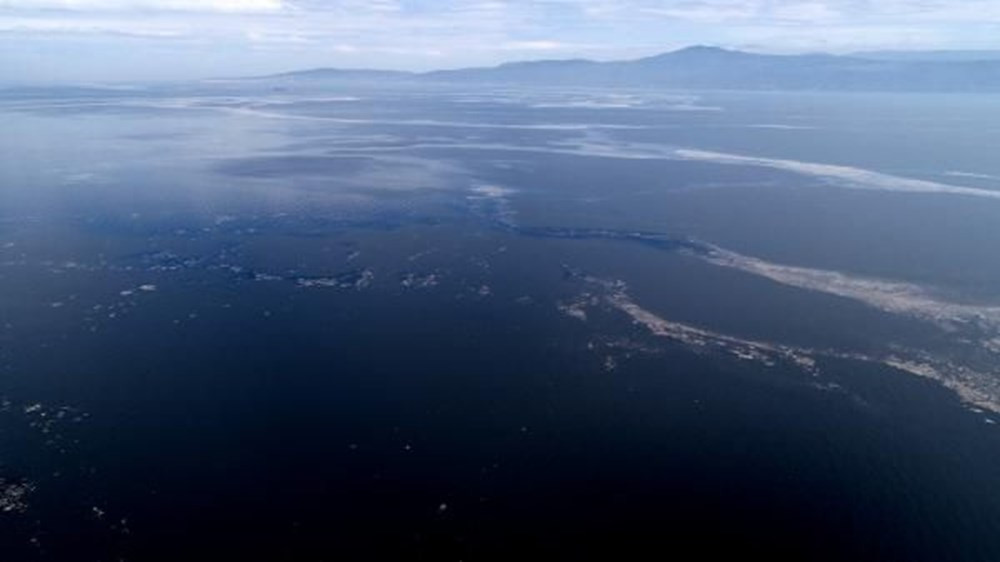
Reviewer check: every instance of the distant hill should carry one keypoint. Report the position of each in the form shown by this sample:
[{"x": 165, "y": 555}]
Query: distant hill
[
  {"x": 929, "y": 56},
  {"x": 319, "y": 74},
  {"x": 714, "y": 68}
]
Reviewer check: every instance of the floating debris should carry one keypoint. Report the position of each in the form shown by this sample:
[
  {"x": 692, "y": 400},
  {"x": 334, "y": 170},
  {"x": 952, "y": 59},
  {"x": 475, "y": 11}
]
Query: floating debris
[
  {"x": 358, "y": 279},
  {"x": 14, "y": 495},
  {"x": 416, "y": 281}
]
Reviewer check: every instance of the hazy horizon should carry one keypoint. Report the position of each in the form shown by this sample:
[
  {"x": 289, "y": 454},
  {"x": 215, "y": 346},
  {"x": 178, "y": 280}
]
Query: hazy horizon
[
  {"x": 113, "y": 40},
  {"x": 931, "y": 55}
]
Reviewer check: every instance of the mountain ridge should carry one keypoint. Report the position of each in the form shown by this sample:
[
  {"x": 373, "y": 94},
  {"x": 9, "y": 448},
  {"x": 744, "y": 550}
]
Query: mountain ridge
[{"x": 709, "y": 67}]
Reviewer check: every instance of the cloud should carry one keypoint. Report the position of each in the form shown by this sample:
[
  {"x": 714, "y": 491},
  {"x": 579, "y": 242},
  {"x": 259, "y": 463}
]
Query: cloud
[
  {"x": 535, "y": 46},
  {"x": 705, "y": 12},
  {"x": 101, "y": 27},
  {"x": 223, "y": 6},
  {"x": 429, "y": 34}
]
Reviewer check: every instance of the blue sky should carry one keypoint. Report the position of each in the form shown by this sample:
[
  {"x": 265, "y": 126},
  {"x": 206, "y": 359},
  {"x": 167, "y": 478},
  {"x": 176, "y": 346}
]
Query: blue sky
[{"x": 168, "y": 39}]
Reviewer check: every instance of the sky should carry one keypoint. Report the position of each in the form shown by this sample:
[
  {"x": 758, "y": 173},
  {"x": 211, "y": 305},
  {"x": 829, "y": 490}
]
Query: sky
[{"x": 112, "y": 40}]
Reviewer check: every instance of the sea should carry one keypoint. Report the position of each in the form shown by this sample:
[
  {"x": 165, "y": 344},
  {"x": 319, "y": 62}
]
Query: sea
[{"x": 266, "y": 320}]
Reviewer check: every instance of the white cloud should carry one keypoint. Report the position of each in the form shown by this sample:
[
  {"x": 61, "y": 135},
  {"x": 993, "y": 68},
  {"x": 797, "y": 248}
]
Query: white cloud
[
  {"x": 534, "y": 46},
  {"x": 706, "y": 12},
  {"x": 224, "y": 6},
  {"x": 426, "y": 34},
  {"x": 807, "y": 12},
  {"x": 89, "y": 27}
]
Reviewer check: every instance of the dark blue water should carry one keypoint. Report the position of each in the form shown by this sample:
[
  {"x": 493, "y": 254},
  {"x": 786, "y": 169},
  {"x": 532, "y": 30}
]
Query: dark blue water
[{"x": 245, "y": 324}]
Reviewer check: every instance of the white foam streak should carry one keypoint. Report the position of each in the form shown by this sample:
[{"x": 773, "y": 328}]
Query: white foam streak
[
  {"x": 747, "y": 350},
  {"x": 889, "y": 296},
  {"x": 780, "y": 127},
  {"x": 249, "y": 111},
  {"x": 617, "y": 297},
  {"x": 974, "y": 388},
  {"x": 972, "y": 175},
  {"x": 980, "y": 390},
  {"x": 846, "y": 176}
]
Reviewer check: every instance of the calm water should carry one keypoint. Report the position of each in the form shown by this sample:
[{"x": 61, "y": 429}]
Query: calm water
[{"x": 247, "y": 323}]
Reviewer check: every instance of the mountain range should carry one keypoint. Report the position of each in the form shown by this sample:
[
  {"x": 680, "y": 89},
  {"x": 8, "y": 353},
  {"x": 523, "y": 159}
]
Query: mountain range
[{"x": 704, "y": 67}]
